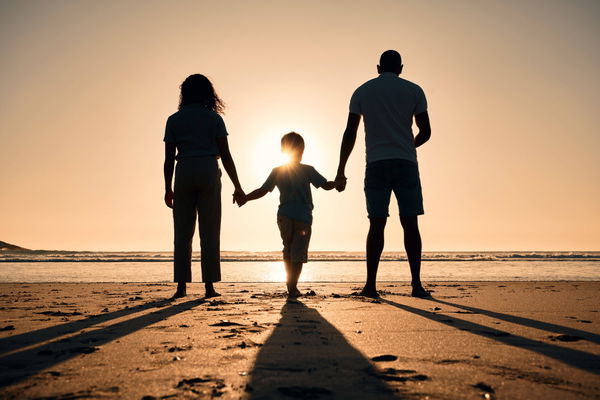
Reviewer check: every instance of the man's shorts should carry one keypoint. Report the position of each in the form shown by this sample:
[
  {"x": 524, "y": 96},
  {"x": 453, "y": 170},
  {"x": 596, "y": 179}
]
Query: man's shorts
[
  {"x": 296, "y": 236},
  {"x": 400, "y": 176}
]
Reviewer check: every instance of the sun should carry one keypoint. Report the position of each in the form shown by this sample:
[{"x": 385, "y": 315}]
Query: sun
[{"x": 268, "y": 154}]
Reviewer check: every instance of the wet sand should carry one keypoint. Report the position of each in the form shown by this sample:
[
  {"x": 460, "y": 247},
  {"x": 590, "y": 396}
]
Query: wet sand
[{"x": 472, "y": 340}]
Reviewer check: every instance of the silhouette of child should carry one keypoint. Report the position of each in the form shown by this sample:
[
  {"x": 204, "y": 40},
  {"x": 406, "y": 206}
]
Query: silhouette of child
[{"x": 294, "y": 216}]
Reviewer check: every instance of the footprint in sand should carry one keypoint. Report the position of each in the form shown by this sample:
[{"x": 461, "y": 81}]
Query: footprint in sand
[
  {"x": 484, "y": 387},
  {"x": 203, "y": 386},
  {"x": 392, "y": 375},
  {"x": 566, "y": 338},
  {"x": 304, "y": 392}
]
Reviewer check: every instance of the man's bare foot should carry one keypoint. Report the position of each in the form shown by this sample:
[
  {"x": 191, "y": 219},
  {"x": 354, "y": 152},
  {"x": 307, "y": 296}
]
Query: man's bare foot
[
  {"x": 418, "y": 291},
  {"x": 294, "y": 293},
  {"x": 369, "y": 292},
  {"x": 181, "y": 292}
]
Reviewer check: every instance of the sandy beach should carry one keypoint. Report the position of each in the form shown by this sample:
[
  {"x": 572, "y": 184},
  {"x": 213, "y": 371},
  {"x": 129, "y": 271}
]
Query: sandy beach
[{"x": 472, "y": 340}]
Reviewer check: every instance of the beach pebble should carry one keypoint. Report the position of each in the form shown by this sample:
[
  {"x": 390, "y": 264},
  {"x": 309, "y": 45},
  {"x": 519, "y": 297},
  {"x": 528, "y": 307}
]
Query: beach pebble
[
  {"x": 8, "y": 328},
  {"x": 225, "y": 322},
  {"x": 385, "y": 357}
]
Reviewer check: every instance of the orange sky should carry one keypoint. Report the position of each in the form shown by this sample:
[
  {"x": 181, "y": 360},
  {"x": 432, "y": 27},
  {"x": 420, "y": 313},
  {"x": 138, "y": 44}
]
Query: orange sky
[{"x": 513, "y": 99}]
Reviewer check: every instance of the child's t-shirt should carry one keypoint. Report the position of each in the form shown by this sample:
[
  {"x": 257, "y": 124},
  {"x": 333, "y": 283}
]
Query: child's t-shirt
[{"x": 293, "y": 182}]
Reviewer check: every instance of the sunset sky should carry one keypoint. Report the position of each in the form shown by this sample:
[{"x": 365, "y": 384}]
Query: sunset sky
[{"x": 512, "y": 86}]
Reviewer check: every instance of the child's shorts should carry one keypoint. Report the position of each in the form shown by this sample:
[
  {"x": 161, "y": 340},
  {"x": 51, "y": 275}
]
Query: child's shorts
[{"x": 296, "y": 236}]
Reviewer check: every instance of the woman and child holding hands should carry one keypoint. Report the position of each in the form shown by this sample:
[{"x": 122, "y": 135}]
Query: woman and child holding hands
[{"x": 196, "y": 137}]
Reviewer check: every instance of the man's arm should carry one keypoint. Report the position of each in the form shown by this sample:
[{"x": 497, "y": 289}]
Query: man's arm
[
  {"x": 346, "y": 149},
  {"x": 168, "y": 168},
  {"x": 424, "y": 134},
  {"x": 229, "y": 166}
]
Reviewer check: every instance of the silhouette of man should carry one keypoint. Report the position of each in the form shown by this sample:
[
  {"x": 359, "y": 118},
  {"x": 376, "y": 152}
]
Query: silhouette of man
[{"x": 388, "y": 104}]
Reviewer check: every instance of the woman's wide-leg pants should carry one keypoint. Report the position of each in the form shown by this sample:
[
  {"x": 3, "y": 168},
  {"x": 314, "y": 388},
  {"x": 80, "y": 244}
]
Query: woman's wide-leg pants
[{"x": 197, "y": 194}]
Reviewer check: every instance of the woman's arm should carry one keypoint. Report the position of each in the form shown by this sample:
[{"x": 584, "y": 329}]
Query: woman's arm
[
  {"x": 229, "y": 166},
  {"x": 328, "y": 185},
  {"x": 168, "y": 169}
]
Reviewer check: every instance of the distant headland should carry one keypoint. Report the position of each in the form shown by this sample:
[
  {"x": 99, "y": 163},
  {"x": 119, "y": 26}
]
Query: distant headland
[{"x": 8, "y": 247}]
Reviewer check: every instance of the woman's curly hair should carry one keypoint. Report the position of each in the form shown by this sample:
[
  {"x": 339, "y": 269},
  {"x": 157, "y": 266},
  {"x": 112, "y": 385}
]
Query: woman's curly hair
[{"x": 197, "y": 89}]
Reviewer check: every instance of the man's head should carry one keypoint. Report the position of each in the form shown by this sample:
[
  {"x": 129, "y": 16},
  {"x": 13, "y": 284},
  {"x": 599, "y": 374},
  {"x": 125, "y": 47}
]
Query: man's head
[
  {"x": 390, "y": 61},
  {"x": 293, "y": 144}
]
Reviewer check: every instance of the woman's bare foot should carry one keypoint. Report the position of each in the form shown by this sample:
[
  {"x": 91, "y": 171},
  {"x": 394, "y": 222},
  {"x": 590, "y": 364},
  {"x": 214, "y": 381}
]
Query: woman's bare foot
[
  {"x": 210, "y": 291},
  {"x": 369, "y": 292},
  {"x": 181, "y": 291}
]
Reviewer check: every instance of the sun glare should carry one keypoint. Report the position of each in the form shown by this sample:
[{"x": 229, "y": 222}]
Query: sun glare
[
  {"x": 268, "y": 154},
  {"x": 276, "y": 272}
]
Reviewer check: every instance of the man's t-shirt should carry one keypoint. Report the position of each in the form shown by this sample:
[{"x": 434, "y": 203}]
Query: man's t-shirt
[
  {"x": 388, "y": 104},
  {"x": 194, "y": 129},
  {"x": 293, "y": 182}
]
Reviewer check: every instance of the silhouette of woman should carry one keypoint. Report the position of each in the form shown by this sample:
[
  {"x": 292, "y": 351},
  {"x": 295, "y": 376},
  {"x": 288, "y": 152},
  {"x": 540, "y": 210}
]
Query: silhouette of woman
[{"x": 197, "y": 133}]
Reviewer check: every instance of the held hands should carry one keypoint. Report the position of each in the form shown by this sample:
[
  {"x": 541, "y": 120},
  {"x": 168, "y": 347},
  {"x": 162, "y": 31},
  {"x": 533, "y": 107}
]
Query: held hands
[
  {"x": 239, "y": 197},
  {"x": 340, "y": 182}
]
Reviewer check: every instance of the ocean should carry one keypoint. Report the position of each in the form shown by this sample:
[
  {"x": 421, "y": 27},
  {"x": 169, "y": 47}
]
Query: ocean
[{"x": 70, "y": 266}]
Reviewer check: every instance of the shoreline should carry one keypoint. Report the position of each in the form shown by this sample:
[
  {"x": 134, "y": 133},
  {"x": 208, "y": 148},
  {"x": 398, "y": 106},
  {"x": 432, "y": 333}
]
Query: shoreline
[
  {"x": 506, "y": 339},
  {"x": 404, "y": 281}
]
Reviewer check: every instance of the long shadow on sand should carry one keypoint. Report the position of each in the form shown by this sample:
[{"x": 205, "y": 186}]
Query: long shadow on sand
[
  {"x": 308, "y": 358},
  {"x": 15, "y": 342},
  {"x": 576, "y": 358},
  {"x": 23, "y": 364},
  {"x": 532, "y": 323}
]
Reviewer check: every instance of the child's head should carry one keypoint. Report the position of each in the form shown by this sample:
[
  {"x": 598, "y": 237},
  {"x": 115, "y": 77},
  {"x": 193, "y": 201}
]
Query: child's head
[{"x": 293, "y": 144}]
